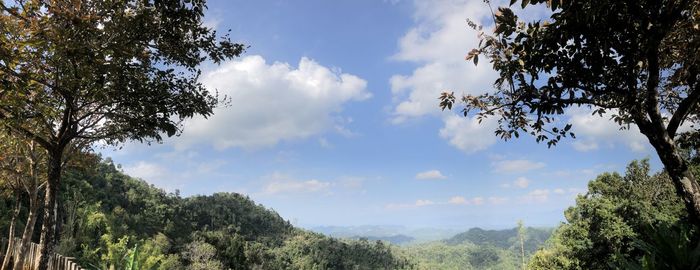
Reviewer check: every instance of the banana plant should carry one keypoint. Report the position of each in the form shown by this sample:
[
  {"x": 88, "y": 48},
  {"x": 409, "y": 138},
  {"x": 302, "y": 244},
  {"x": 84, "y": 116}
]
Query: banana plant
[{"x": 132, "y": 261}]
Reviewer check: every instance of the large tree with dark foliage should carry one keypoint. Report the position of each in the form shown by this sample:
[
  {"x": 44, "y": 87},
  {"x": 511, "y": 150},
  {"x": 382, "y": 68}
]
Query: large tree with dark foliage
[
  {"x": 108, "y": 70},
  {"x": 636, "y": 60}
]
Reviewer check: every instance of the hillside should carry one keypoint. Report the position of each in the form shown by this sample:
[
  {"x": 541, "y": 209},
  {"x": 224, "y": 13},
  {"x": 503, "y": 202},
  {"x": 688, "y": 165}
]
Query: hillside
[
  {"x": 108, "y": 213},
  {"x": 505, "y": 239},
  {"x": 478, "y": 249}
]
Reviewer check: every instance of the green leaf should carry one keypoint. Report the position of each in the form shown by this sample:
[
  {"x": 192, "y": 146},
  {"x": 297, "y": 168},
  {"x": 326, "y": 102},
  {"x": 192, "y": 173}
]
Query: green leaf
[
  {"x": 476, "y": 59},
  {"x": 513, "y": 2}
]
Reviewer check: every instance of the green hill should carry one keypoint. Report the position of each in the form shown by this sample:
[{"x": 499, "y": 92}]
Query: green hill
[
  {"x": 505, "y": 239},
  {"x": 107, "y": 213},
  {"x": 478, "y": 249}
]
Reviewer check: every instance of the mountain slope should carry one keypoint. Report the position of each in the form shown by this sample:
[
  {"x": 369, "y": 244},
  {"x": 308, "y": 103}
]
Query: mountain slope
[{"x": 107, "y": 213}]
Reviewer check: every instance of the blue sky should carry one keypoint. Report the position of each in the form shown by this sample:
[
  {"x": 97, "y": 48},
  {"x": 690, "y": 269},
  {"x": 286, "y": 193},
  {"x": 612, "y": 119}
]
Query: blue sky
[{"x": 334, "y": 120}]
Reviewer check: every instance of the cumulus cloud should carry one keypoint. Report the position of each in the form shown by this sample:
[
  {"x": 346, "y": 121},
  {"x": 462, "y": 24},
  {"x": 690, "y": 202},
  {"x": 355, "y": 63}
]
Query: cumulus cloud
[
  {"x": 537, "y": 195},
  {"x": 146, "y": 171},
  {"x": 521, "y": 182},
  {"x": 595, "y": 131},
  {"x": 280, "y": 183},
  {"x": 424, "y": 202},
  {"x": 290, "y": 186},
  {"x": 516, "y": 166},
  {"x": 430, "y": 175},
  {"x": 543, "y": 195},
  {"x": 467, "y": 134},
  {"x": 417, "y": 203},
  {"x": 459, "y": 200},
  {"x": 455, "y": 200},
  {"x": 497, "y": 200},
  {"x": 273, "y": 102},
  {"x": 438, "y": 43}
]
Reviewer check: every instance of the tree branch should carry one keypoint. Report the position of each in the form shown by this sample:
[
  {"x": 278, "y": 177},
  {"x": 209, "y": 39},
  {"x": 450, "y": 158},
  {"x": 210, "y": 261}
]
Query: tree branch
[
  {"x": 27, "y": 133},
  {"x": 683, "y": 109}
]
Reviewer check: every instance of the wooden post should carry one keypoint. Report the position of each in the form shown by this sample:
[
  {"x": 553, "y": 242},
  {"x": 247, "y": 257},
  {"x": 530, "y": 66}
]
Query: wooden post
[{"x": 31, "y": 261}]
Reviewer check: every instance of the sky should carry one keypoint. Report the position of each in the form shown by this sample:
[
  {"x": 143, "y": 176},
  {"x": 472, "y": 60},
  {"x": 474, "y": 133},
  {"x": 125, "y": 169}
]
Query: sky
[{"x": 334, "y": 121}]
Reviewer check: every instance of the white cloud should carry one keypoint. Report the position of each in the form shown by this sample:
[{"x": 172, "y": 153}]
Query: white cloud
[
  {"x": 467, "y": 134},
  {"x": 459, "y": 200},
  {"x": 161, "y": 176},
  {"x": 430, "y": 175},
  {"x": 272, "y": 103},
  {"x": 594, "y": 131},
  {"x": 279, "y": 183},
  {"x": 537, "y": 195},
  {"x": 323, "y": 142},
  {"x": 308, "y": 186},
  {"x": 146, "y": 171},
  {"x": 438, "y": 42},
  {"x": 477, "y": 201},
  {"x": 516, "y": 166},
  {"x": 351, "y": 182},
  {"x": 416, "y": 204},
  {"x": 455, "y": 200},
  {"x": 497, "y": 200},
  {"x": 424, "y": 202},
  {"x": 521, "y": 182},
  {"x": 543, "y": 195}
]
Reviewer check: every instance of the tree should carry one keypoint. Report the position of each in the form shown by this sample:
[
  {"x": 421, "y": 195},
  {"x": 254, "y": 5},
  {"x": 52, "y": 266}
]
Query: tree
[
  {"x": 604, "y": 226},
  {"x": 202, "y": 256},
  {"x": 636, "y": 60},
  {"x": 111, "y": 71},
  {"x": 521, "y": 237},
  {"x": 11, "y": 180},
  {"x": 23, "y": 162}
]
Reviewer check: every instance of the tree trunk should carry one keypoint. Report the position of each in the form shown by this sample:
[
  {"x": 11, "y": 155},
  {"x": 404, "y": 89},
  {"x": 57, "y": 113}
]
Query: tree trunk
[
  {"x": 684, "y": 181},
  {"x": 28, "y": 229},
  {"x": 11, "y": 236},
  {"x": 47, "y": 240}
]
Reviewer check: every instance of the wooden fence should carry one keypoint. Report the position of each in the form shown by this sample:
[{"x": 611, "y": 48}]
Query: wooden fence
[{"x": 31, "y": 259}]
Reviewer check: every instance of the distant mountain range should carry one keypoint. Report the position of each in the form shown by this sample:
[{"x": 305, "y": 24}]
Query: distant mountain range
[
  {"x": 398, "y": 239},
  {"x": 399, "y": 235},
  {"x": 402, "y": 235}
]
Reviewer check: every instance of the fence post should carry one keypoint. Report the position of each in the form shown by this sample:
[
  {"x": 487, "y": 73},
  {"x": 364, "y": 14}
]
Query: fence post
[{"x": 31, "y": 259}]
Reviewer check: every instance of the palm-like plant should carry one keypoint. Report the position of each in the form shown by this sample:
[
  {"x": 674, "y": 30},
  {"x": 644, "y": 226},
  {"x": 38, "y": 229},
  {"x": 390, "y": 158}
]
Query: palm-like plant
[{"x": 670, "y": 247}]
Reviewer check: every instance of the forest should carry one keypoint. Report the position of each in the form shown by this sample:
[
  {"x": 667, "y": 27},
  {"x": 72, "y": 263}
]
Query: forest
[
  {"x": 80, "y": 76},
  {"x": 108, "y": 216},
  {"x": 110, "y": 220}
]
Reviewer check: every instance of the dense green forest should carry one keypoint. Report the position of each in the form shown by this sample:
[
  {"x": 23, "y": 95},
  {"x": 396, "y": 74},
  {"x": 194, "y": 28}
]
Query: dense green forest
[
  {"x": 632, "y": 220},
  {"x": 479, "y": 249},
  {"x": 106, "y": 214}
]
